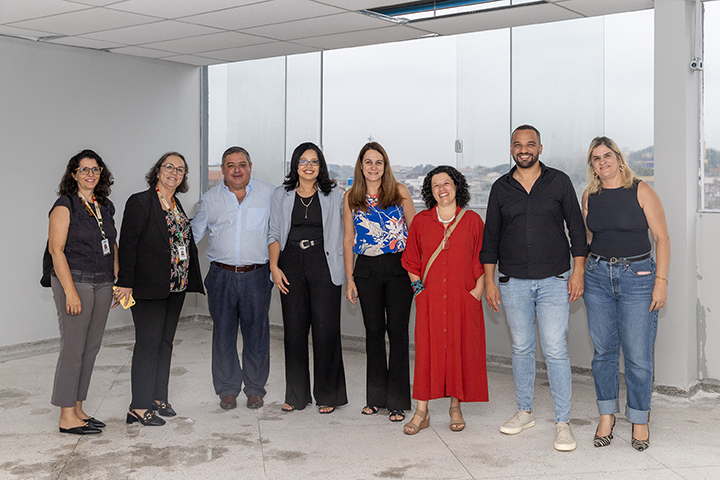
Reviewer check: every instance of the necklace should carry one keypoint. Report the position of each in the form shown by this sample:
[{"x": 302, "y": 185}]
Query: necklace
[
  {"x": 308, "y": 204},
  {"x": 444, "y": 222}
]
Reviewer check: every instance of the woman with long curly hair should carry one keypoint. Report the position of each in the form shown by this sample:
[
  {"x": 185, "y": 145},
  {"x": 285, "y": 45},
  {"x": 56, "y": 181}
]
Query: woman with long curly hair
[{"x": 306, "y": 263}]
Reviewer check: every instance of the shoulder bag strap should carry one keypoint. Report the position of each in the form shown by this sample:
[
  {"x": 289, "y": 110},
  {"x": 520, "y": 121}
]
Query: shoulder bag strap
[{"x": 439, "y": 248}]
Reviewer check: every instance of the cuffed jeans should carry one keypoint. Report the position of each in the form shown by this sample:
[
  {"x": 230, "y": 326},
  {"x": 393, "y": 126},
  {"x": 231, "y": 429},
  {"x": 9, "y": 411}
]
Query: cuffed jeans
[
  {"x": 543, "y": 303},
  {"x": 240, "y": 300},
  {"x": 617, "y": 299}
]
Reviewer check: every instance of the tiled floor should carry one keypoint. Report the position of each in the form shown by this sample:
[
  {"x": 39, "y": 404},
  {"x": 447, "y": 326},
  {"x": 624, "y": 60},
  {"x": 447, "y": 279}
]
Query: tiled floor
[{"x": 204, "y": 441}]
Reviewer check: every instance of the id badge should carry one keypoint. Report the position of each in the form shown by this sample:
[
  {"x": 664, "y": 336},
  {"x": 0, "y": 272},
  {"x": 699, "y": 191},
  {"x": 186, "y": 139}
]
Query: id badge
[
  {"x": 182, "y": 252},
  {"x": 106, "y": 246}
]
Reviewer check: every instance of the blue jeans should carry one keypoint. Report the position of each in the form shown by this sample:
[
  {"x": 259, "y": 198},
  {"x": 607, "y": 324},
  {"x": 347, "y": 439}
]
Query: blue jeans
[
  {"x": 544, "y": 303},
  {"x": 617, "y": 299},
  {"x": 240, "y": 300}
]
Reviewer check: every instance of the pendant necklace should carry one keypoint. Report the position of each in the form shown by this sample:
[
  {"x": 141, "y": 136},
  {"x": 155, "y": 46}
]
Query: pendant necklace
[{"x": 308, "y": 204}]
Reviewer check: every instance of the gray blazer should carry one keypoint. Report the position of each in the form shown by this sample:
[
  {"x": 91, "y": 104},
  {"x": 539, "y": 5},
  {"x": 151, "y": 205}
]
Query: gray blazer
[{"x": 332, "y": 211}]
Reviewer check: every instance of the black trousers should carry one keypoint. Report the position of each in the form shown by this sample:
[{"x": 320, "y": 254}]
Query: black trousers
[
  {"x": 155, "y": 325},
  {"x": 312, "y": 301},
  {"x": 385, "y": 299}
]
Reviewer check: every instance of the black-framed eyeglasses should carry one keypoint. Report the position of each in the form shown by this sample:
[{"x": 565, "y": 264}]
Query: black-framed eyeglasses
[{"x": 305, "y": 163}]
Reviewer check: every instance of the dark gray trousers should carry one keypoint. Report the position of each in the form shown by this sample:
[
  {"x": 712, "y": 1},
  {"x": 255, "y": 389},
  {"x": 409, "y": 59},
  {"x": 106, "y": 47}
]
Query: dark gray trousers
[{"x": 80, "y": 339}]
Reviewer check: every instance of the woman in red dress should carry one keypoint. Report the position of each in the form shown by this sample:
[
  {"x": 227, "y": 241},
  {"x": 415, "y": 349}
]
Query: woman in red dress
[{"x": 449, "y": 325}]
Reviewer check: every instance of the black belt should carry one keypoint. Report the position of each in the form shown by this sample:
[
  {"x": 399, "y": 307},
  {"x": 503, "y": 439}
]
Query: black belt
[
  {"x": 240, "y": 269},
  {"x": 305, "y": 244},
  {"x": 636, "y": 258}
]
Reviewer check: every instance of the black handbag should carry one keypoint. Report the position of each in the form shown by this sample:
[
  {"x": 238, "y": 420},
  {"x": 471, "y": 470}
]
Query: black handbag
[{"x": 47, "y": 258}]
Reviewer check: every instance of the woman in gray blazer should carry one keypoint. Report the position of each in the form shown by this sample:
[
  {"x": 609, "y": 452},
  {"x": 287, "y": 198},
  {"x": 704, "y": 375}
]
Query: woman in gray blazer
[{"x": 306, "y": 262}]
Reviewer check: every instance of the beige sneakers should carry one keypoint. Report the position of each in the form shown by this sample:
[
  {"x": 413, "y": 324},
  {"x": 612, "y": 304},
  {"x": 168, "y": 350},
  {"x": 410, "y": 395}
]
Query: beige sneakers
[
  {"x": 564, "y": 439},
  {"x": 519, "y": 422}
]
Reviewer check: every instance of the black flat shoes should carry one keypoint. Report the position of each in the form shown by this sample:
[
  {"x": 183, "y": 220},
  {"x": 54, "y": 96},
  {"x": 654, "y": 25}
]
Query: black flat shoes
[
  {"x": 94, "y": 422},
  {"x": 164, "y": 409},
  {"x": 82, "y": 430},
  {"x": 149, "y": 418}
]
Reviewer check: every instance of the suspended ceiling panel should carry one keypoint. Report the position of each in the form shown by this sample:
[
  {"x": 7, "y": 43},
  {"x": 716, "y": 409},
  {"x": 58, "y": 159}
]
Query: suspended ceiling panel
[{"x": 205, "y": 32}]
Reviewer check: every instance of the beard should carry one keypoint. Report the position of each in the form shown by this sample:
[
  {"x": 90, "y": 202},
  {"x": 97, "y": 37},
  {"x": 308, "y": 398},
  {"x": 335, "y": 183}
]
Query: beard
[{"x": 526, "y": 163}]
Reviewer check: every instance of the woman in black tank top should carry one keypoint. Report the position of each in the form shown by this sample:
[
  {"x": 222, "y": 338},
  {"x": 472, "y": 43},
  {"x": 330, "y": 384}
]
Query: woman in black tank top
[{"x": 624, "y": 287}]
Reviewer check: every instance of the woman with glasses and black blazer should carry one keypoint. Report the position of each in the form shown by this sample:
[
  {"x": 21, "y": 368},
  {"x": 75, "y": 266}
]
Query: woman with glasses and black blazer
[
  {"x": 159, "y": 264},
  {"x": 306, "y": 262}
]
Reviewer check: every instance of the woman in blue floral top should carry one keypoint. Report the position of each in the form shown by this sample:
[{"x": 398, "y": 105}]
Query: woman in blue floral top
[{"x": 377, "y": 213}]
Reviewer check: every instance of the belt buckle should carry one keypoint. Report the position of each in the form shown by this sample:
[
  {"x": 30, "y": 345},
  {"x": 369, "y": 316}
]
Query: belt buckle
[
  {"x": 305, "y": 244},
  {"x": 237, "y": 269},
  {"x": 613, "y": 260}
]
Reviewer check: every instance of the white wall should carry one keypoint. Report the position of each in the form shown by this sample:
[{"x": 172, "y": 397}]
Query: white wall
[
  {"x": 708, "y": 302},
  {"x": 54, "y": 102}
]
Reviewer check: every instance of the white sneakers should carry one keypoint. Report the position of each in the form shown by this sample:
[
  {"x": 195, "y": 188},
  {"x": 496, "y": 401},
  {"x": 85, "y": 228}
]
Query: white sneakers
[
  {"x": 519, "y": 422},
  {"x": 564, "y": 439}
]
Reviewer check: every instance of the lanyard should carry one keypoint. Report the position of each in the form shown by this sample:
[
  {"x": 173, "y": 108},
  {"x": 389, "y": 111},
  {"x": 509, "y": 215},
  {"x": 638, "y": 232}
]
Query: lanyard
[
  {"x": 175, "y": 213},
  {"x": 97, "y": 214}
]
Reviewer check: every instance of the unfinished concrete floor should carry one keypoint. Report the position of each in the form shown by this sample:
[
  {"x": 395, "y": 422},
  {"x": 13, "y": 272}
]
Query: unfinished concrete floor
[{"x": 204, "y": 441}]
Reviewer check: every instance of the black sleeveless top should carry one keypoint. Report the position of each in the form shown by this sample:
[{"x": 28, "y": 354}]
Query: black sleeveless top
[
  {"x": 617, "y": 222},
  {"x": 306, "y": 221}
]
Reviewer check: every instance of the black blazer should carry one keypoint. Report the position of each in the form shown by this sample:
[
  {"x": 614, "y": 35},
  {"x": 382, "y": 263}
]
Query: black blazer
[{"x": 144, "y": 250}]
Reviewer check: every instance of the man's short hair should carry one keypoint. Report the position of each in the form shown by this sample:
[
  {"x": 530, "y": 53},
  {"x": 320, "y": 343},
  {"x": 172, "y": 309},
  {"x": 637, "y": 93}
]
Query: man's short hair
[
  {"x": 527, "y": 127},
  {"x": 232, "y": 150}
]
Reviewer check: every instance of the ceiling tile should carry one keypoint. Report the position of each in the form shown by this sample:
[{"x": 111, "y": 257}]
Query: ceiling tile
[
  {"x": 141, "y": 52},
  {"x": 18, "y": 10},
  {"x": 494, "y": 19},
  {"x": 361, "y": 4},
  {"x": 313, "y": 27},
  {"x": 151, "y": 32},
  {"x": 85, "y": 21},
  {"x": 85, "y": 43},
  {"x": 23, "y": 32},
  {"x": 193, "y": 60},
  {"x": 204, "y": 43},
  {"x": 606, "y": 6},
  {"x": 273, "y": 11},
  {"x": 354, "y": 39},
  {"x": 95, "y": 3},
  {"x": 171, "y": 9},
  {"x": 267, "y": 50}
]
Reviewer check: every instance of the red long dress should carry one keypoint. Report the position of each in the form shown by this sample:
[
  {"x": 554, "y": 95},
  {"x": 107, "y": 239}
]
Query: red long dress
[{"x": 449, "y": 324}]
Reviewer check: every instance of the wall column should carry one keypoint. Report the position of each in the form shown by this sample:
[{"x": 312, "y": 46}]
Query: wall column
[{"x": 677, "y": 111}]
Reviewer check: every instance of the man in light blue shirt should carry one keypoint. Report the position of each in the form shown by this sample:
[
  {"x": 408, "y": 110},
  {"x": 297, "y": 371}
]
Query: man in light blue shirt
[{"x": 236, "y": 214}]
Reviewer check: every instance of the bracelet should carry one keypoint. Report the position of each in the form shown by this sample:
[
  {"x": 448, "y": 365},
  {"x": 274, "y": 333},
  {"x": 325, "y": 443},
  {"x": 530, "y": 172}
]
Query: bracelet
[
  {"x": 349, "y": 278},
  {"x": 417, "y": 287},
  {"x": 661, "y": 278}
]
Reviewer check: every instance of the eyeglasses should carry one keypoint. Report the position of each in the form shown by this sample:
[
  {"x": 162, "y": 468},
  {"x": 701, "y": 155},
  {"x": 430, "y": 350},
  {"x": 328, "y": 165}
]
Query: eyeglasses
[
  {"x": 446, "y": 239},
  {"x": 170, "y": 168},
  {"x": 85, "y": 171},
  {"x": 305, "y": 163}
]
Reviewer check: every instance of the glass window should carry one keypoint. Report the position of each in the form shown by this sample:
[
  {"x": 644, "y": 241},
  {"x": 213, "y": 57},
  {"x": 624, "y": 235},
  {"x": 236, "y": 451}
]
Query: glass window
[
  {"x": 401, "y": 95},
  {"x": 711, "y": 81},
  {"x": 448, "y": 100}
]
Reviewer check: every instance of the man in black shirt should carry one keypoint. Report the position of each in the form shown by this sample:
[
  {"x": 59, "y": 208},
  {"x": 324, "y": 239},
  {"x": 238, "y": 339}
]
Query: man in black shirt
[{"x": 528, "y": 210}]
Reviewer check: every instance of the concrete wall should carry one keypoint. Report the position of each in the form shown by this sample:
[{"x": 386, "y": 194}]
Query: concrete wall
[{"x": 54, "y": 102}]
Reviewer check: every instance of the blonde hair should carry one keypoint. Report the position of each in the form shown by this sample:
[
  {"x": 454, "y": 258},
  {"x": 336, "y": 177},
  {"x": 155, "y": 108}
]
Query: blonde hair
[
  {"x": 594, "y": 182},
  {"x": 389, "y": 193}
]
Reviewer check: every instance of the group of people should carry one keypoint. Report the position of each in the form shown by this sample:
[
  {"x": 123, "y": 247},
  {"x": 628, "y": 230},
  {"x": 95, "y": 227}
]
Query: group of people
[{"x": 309, "y": 239}]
